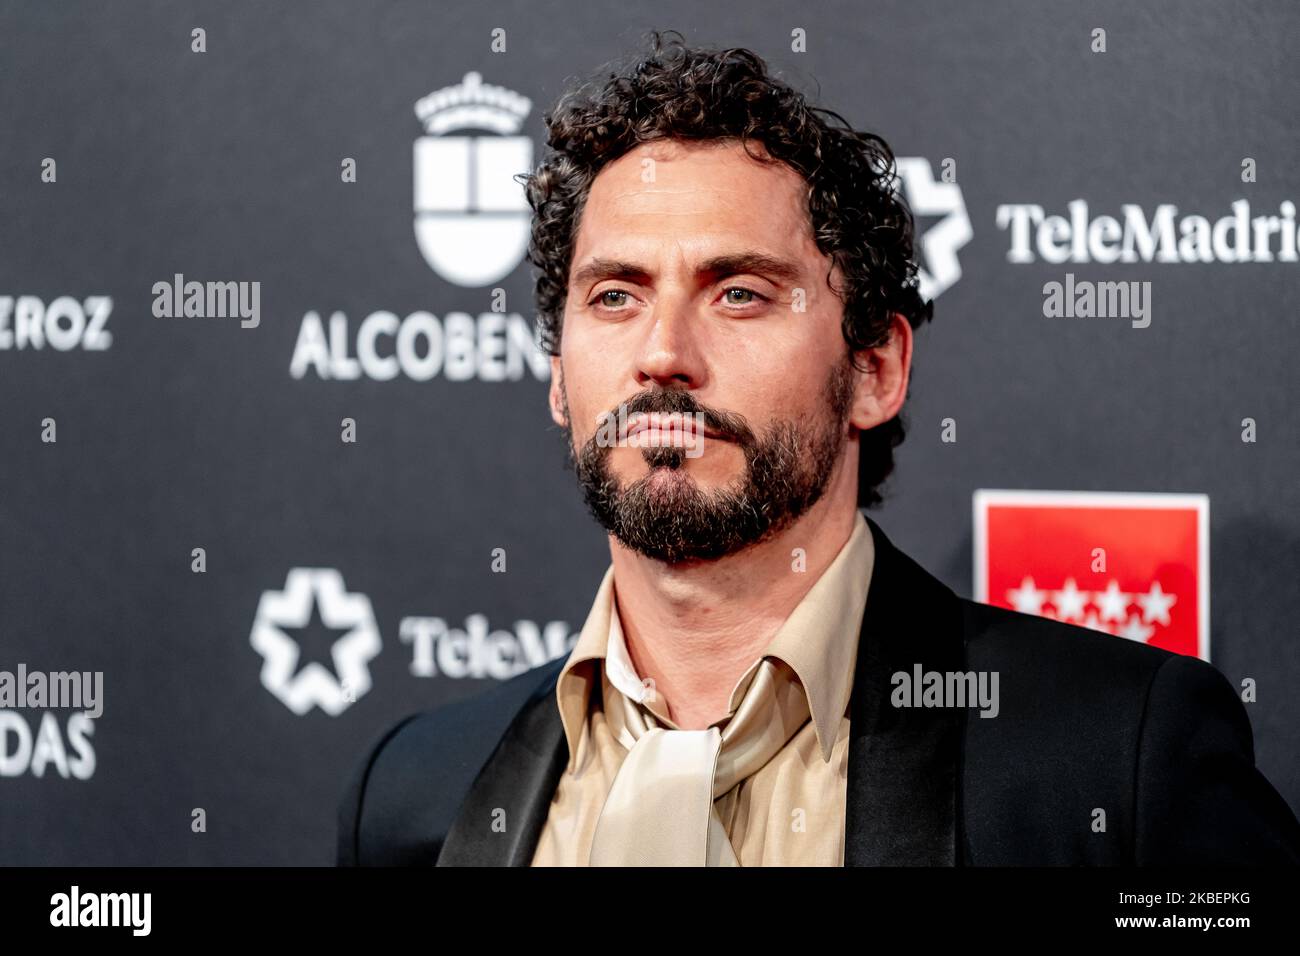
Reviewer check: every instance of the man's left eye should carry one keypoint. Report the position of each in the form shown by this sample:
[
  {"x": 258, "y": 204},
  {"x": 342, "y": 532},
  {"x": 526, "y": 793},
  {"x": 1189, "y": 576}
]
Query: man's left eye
[{"x": 732, "y": 292}]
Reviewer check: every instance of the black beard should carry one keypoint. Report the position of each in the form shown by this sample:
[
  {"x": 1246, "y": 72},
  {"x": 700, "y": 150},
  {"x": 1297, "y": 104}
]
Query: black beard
[{"x": 786, "y": 472}]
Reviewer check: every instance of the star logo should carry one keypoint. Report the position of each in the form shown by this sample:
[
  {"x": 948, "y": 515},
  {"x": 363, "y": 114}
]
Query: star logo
[
  {"x": 1155, "y": 604},
  {"x": 1114, "y": 603},
  {"x": 315, "y": 599},
  {"x": 1027, "y": 599},
  {"x": 1070, "y": 602},
  {"x": 1134, "y": 565},
  {"x": 939, "y": 242},
  {"x": 1106, "y": 610}
]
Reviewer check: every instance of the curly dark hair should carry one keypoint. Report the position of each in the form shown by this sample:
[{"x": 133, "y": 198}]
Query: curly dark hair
[{"x": 858, "y": 217}]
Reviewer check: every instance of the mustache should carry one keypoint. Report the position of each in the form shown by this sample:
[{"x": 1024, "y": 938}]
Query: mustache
[{"x": 729, "y": 425}]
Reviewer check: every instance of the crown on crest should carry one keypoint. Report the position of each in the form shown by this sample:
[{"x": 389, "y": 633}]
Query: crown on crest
[{"x": 473, "y": 104}]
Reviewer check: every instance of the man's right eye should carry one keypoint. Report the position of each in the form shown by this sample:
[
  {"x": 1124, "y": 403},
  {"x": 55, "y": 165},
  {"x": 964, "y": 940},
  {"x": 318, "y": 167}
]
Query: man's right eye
[{"x": 603, "y": 300}]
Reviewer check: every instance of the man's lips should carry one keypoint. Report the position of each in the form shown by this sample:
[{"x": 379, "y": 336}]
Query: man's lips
[{"x": 669, "y": 423}]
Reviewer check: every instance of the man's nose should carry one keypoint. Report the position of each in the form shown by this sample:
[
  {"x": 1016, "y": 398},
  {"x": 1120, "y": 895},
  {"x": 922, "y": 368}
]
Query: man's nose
[{"x": 669, "y": 354}]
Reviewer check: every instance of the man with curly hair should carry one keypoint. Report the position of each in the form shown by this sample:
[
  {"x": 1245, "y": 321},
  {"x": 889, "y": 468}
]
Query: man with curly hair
[{"x": 727, "y": 288}]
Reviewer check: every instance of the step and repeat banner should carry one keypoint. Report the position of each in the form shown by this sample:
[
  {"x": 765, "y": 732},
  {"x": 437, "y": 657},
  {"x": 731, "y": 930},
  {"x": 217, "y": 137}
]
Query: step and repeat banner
[{"x": 277, "y": 463}]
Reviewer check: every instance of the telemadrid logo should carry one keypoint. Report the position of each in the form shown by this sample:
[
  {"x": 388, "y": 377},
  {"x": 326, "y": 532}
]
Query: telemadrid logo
[
  {"x": 437, "y": 649},
  {"x": 301, "y": 689},
  {"x": 938, "y": 245},
  {"x": 1162, "y": 237}
]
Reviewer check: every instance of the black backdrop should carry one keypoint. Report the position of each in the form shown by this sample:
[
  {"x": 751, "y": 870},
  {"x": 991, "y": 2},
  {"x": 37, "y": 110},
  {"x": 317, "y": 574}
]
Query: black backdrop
[{"x": 187, "y": 433}]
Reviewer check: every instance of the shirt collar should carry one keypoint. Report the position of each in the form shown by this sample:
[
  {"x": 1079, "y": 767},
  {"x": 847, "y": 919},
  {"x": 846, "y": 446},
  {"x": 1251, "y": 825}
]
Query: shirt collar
[
  {"x": 578, "y": 676},
  {"x": 818, "y": 641}
]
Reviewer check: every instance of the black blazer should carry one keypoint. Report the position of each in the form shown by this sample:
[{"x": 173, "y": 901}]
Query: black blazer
[{"x": 1158, "y": 741}]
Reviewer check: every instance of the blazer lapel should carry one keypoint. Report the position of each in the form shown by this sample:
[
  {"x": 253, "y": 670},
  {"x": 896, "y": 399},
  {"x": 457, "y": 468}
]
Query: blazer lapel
[
  {"x": 519, "y": 779},
  {"x": 902, "y": 807}
]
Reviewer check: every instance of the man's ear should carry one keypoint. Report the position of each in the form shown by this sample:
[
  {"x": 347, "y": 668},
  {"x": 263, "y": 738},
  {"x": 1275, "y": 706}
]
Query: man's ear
[
  {"x": 556, "y": 394},
  {"x": 882, "y": 388}
]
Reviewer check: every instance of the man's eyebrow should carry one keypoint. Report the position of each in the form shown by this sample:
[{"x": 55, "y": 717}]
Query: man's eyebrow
[
  {"x": 759, "y": 263},
  {"x": 598, "y": 269}
]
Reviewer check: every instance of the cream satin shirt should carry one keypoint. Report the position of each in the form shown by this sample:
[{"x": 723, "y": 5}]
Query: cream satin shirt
[{"x": 788, "y": 813}]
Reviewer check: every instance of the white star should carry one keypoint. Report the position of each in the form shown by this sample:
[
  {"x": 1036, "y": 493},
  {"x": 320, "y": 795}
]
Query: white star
[
  {"x": 1070, "y": 601},
  {"x": 1027, "y": 599},
  {"x": 1135, "y": 630},
  {"x": 940, "y": 242},
  {"x": 314, "y": 685},
  {"x": 1092, "y": 622},
  {"x": 1113, "y": 602},
  {"x": 1155, "y": 604}
]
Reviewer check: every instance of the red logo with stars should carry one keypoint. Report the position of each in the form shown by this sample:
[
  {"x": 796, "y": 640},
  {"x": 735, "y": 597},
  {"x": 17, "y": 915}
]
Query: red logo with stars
[{"x": 1128, "y": 564}]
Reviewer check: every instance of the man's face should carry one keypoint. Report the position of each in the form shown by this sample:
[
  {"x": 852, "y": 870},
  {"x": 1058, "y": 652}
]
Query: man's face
[{"x": 696, "y": 288}]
